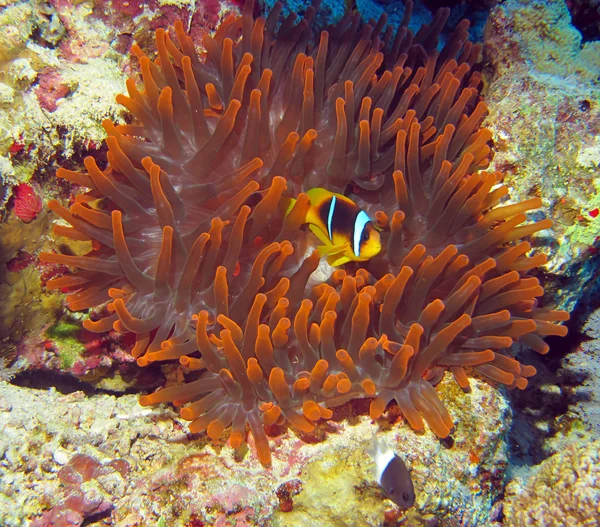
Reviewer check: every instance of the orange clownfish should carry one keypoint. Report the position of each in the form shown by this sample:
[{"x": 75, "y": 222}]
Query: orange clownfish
[{"x": 346, "y": 231}]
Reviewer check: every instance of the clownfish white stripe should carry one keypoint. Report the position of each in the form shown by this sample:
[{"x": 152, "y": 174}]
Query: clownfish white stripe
[
  {"x": 359, "y": 226},
  {"x": 330, "y": 216}
]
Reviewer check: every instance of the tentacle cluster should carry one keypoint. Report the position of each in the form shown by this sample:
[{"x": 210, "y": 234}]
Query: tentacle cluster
[
  {"x": 356, "y": 336},
  {"x": 191, "y": 253}
]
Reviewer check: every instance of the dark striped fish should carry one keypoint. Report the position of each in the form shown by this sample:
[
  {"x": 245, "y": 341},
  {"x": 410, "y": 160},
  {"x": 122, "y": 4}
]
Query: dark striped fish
[{"x": 391, "y": 474}]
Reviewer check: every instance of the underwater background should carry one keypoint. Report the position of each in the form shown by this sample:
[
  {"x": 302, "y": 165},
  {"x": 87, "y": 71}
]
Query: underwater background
[{"x": 144, "y": 246}]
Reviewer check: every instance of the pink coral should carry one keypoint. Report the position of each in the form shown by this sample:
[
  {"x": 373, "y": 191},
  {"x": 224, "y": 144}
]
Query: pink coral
[{"x": 26, "y": 205}]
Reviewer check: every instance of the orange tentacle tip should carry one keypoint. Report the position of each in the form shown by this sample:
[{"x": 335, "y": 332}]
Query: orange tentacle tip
[
  {"x": 326, "y": 413},
  {"x": 236, "y": 439},
  {"x": 271, "y": 416},
  {"x": 300, "y": 422},
  {"x": 344, "y": 386},
  {"x": 377, "y": 408},
  {"x": 301, "y": 385},
  {"x": 215, "y": 429},
  {"x": 368, "y": 386},
  {"x": 311, "y": 410}
]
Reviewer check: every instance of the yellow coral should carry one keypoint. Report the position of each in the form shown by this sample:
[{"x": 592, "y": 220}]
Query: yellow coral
[
  {"x": 548, "y": 39},
  {"x": 24, "y": 307}
]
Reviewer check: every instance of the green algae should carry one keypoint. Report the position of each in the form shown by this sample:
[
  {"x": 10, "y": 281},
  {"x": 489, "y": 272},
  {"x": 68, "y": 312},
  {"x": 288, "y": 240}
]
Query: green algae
[{"x": 65, "y": 335}]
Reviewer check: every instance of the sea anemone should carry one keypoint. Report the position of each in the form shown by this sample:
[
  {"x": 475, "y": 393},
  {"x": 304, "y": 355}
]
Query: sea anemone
[{"x": 194, "y": 257}]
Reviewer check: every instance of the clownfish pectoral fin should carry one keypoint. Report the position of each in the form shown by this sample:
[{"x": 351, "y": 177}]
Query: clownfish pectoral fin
[
  {"x": 331, "y": 250},
  {"x": 335, "y": 260},
  {"x": 320, "y": 234},
  {"x": 336, "y": 254},
  {"x": 323, "y": 250}
]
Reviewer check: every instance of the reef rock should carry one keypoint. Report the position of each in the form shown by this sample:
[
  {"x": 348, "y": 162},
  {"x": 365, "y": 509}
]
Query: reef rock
[
  {"x": 544, "y": 106},
  {"x": 564, "y": 490},
  {"x": 72, "y": 456}
]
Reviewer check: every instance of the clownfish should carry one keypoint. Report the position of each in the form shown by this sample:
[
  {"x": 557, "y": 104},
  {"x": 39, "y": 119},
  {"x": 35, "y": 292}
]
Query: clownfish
[{"x": 346, "y": 231}]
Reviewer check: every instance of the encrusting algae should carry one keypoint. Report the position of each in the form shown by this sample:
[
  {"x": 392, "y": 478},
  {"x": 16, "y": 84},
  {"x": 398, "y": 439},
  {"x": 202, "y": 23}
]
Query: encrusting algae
[{"x": 194, "y": 257}]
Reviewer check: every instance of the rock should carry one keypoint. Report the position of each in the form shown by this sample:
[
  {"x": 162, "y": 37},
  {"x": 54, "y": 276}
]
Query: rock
[
  {"x": 109, "y": 457},
  {"x": 545, "y": 116}
]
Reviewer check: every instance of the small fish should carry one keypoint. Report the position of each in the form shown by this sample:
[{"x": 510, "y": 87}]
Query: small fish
[
  {"x": 391, "y": 474},
  {"x": 346, "y": 231},
  {"x": 98, "y": 204}
]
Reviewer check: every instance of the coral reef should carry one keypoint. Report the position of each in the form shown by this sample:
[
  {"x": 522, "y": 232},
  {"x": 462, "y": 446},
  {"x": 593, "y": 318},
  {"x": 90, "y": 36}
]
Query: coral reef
[
  {"x": 35, "y": 332},
  {"x": 48, "y": 91},
  {"x": 542, "y": 78},
  {"x": 195, "y": 259},
  {"x": 62, "y": 65},
  {"x": 25, "y": 307},
  {"x": 581, "y": 369},
  {"x": 103, "y": 459},
  {"x": 542, "y": 36},
  {"x": 95, "y": 458},
  {"x": 51, "y": 106},
  {"x": 564, "y": 490},
  {"x": 395, "y": 10}
]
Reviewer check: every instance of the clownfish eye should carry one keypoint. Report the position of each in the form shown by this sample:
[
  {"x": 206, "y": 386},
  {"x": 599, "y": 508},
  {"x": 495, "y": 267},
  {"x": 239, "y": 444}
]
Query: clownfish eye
[{"x": 364, "y": 237}]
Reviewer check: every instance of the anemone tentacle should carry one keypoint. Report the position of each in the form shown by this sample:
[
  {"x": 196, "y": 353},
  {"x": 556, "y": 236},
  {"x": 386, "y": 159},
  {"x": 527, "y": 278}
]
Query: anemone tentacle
[{"x": 192, "y": 254}]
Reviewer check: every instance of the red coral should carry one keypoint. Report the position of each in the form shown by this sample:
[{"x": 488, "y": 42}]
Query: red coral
[
  {"x": 51, "y": 271},
  {"x": 286, "y": 492},
  {"x": 194, "y": 521},
  {"x": 20, "y": 262},
  {"x": 196, "y": 260},
  {"x": 16, "y": 148},
  {"x": 26, "y": 204}
]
